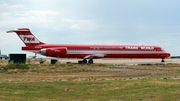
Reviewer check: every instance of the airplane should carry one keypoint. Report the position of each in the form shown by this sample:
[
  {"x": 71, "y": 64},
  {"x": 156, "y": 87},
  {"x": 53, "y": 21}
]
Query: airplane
[
  {"x": 3, "y": 56},
  {"x": 87, "y": 52}
]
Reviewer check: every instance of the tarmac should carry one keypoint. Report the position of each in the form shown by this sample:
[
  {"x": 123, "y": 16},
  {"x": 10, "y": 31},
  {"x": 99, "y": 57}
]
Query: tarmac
[{"x": 124, "y": 61}]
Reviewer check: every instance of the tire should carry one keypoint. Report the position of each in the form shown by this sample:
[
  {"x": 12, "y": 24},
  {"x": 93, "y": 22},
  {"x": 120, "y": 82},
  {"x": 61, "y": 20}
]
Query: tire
[
  {"x": 90, "y": 61},
  {"x": 80, "y": 61},
  {"x": 84, "y": 61}
]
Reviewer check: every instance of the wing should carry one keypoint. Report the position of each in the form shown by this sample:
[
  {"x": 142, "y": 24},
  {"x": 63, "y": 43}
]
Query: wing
[{"x": 92, "y": 56}]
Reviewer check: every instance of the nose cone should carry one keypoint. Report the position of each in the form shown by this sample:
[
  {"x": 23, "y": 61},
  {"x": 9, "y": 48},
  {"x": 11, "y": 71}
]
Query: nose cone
[{"x": 167, "y": 54}]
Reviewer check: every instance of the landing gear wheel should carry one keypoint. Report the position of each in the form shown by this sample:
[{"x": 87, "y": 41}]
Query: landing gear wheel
[
  {"x": 90, "y": 61},
  {"x": 80, "y": 62},
  {"x": 84, "y": 61},
  {"x": 162, "y": 60}
]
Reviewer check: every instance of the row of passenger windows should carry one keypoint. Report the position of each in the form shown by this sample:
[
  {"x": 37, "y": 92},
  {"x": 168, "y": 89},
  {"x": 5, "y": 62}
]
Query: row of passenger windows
[{"x": 112, "y": 50}]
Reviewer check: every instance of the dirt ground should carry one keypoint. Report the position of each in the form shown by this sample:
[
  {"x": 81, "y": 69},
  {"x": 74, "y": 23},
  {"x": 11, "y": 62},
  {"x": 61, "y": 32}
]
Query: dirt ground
[
  {"x": 123, "y": 61},
  {"x": 75, "y": 72}
]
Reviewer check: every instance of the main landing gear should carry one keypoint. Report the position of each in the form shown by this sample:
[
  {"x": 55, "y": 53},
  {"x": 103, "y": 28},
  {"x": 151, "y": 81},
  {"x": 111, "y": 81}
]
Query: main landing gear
[{"x": 84, "y": 61}]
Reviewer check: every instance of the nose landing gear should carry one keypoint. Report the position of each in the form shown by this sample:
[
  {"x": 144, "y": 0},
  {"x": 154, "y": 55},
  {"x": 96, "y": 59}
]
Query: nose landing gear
[{"x": 162, "y": 60}]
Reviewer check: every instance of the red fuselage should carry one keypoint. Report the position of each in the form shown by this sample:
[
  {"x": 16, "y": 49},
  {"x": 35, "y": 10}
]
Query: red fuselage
[{"x": 98, "y": 51}]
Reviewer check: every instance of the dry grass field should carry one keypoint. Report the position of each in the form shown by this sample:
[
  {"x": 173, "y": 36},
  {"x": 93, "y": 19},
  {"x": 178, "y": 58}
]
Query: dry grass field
[{"x": 95, "y": 82}]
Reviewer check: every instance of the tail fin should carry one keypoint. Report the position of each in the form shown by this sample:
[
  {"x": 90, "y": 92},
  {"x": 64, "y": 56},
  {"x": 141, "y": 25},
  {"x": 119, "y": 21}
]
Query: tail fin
[{"x": 26, "y": 36}]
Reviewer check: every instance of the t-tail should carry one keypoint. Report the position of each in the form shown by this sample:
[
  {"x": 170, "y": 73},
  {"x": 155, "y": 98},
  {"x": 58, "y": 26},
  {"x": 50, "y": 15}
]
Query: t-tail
[{"x": 26, "y": 36}]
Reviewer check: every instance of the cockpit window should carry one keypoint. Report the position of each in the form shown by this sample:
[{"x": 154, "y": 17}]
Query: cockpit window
[{"x": 159, "y": 49}]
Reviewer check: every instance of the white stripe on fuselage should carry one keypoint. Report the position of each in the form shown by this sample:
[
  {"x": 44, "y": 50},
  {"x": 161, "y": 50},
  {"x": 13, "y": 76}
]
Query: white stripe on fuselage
[
  {"x": 34, "y": 51},
  {"x": 112, "y": 52},
  {"x": 105, "y": 52}
]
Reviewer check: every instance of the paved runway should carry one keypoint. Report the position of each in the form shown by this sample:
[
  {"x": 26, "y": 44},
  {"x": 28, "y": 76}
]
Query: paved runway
[{"x": 124, "y": 61}]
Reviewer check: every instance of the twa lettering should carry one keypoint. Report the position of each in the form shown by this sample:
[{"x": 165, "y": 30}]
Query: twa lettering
[{"x": 29, "y": 39}]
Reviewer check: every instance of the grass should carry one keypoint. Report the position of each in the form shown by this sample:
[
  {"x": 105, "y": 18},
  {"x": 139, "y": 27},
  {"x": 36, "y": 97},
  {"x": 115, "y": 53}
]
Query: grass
[
  {"x": 96, "y": 82},
  {"x": 131, "y": 90}
]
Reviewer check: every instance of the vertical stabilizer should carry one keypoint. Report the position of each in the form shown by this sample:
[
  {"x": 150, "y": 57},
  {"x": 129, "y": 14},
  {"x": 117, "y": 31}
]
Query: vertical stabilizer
[{"x": 26, "y": 36}]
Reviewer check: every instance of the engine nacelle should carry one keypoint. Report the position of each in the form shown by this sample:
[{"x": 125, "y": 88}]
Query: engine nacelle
[{"x": 57, "y": 51}]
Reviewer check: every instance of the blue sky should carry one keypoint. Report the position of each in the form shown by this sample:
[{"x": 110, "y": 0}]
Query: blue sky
[{"x": 147, "y": 22}]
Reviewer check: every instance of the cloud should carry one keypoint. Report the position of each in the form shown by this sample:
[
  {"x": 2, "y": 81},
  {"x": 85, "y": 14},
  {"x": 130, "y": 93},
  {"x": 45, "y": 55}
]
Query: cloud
[
  {"x": 19, "y": 15},
  {"x": 6, "y": 38},
  {"x": 83, "y": 25},
  {"x": 82, "y": 21}
]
